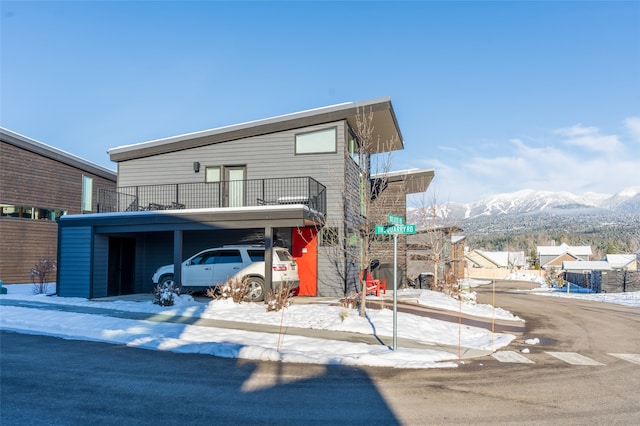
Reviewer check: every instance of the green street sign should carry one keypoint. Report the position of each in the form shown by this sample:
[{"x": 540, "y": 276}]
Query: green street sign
[
  {"x": 395, "y": 229},
  {"x": 395, "y": 220}
]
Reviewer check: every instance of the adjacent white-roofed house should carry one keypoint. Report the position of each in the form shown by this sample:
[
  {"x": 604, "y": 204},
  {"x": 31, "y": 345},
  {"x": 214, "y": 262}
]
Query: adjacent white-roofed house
[
  {"x": 550, "y": 256},
  {"x": 585, "y": 266},
  {"x": 496, "y": 259},
  {"x": 627, "y": 262}
]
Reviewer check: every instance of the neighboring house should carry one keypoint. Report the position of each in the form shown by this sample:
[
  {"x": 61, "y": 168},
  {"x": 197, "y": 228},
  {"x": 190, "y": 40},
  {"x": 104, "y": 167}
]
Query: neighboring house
[
  {"x": 626, "y": 262},
  {"x": 436, "y": 245},
  {"x": 296, "y": 180},
  {"x": 392, "y": 199},
  {"x": 496, "y": 259},
  {"x": 457, "y": 255},
  {"x": 585, "y": 266},
  {"x": 553, "y": 256},
  {"x": 38, "y": 185}
]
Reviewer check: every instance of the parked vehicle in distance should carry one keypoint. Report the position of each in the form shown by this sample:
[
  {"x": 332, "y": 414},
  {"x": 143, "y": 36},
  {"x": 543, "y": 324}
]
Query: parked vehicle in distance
[{"x": 214, "y": 266}]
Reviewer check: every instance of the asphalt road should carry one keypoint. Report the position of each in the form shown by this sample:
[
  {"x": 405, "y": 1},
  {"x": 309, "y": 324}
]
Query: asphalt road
[
  {"x": 50, "y": 381},
  {"x": 548, "y": 391}
]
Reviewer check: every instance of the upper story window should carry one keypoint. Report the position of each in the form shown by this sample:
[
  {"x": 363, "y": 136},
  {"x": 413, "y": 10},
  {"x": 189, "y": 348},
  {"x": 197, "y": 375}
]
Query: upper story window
[
  {"x": 87, "y": 193},
  {"x": 317, "y": 142}
]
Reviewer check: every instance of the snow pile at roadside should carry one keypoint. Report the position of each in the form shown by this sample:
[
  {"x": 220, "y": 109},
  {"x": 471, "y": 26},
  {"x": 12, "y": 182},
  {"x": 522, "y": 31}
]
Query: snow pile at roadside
[{"x": 626, "y": 299}]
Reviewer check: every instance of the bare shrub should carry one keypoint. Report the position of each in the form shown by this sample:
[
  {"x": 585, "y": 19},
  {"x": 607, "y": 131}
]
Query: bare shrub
[
  {"x": 235, "y": 289},
  {"x": 278, "y": 299},
  {"x": 344, "y": 314},
  {"x": 350, "y": 301},
  {"x": 41, "y": 274},
  {"x": 165, "y": 294}
]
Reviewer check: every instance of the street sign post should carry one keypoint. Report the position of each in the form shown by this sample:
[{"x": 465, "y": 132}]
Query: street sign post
[{"x": 395, "y": 227}]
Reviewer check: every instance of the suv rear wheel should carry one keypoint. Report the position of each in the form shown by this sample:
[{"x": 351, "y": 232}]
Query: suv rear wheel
[{"x": 256, "y": 289}]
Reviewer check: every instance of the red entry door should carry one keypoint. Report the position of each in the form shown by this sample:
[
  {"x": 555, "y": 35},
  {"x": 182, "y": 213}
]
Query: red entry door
[{"x": 304, "y": 248}]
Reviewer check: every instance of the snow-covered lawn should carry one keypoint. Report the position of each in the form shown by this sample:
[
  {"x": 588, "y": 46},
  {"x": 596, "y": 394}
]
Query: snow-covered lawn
[
  {"x": 262, "y": 346},
  {"x": 239, "y": 343}
]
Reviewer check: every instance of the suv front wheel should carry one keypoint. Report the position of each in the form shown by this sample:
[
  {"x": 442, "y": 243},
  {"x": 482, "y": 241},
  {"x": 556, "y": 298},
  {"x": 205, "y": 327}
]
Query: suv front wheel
[{"x": 256, "y": 289}]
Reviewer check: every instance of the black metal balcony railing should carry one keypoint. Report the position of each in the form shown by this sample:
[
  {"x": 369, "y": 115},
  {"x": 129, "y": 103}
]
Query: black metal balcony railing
[{"x": 235, "y": 193}]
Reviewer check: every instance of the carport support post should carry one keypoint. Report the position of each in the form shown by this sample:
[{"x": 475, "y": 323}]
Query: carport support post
[
  {"x": 268, "y": 259},
  {"x": 177, "y": 257}
]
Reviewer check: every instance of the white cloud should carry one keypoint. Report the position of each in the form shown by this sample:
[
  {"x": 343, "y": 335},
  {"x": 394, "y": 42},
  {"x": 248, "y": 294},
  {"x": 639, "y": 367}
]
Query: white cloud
[
  {"x": 589, "y": 138},
  {"x": 576, "y": 159},
  {"x": 577, "y": 131},
  {"x": 632, "y": 124}
]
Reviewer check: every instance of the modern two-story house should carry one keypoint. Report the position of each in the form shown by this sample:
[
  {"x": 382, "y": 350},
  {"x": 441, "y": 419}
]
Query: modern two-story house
[{"x": 296, "y": 180}]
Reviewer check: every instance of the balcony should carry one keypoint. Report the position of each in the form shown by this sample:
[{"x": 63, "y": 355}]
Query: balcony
[{"x": 235, "y": 193}]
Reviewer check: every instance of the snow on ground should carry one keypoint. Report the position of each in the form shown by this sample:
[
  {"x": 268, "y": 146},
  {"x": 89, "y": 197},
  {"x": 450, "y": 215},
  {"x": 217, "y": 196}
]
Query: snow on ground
[
  {"x": 235, "y": 343},
  {"x": 627, "y": 299},
  {"x": 224, "y": 342}
]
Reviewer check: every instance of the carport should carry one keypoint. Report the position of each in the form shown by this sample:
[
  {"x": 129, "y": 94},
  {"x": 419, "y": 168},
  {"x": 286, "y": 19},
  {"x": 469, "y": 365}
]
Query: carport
[{"x": 107, "y": 254}]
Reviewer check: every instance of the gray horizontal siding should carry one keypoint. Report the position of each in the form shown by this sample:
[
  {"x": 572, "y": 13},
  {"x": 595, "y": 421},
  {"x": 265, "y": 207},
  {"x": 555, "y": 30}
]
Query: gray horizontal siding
[
  {"x": 74, "y": 267},
  {"x": 266, "y": 156}
]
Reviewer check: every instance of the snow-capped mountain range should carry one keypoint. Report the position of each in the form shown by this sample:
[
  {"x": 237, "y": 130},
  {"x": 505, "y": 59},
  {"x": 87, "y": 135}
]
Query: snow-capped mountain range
[{"x": 530, "y": 201}]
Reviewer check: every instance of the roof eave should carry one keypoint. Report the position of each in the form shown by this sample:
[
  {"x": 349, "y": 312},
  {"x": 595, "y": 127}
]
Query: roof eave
[
  {"x": 387, "y": 134},
  {"x": 53, "y": 153}
]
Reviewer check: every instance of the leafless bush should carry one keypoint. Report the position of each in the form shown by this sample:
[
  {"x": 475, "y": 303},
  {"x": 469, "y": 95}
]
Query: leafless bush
[
  {"x": 235, "y": 289},
  {"x": 165, "y": 294},
  {"x": 350, "y": 301},
  {"x": 279, "y": 298},
  {"x": 41, "y": 274}
]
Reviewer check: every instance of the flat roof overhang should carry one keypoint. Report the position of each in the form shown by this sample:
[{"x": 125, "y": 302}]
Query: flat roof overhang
[
  {"x": 197, "y": 219},
  {"x": 416, "y": 181},
  {"x": 386, "y": 135}
]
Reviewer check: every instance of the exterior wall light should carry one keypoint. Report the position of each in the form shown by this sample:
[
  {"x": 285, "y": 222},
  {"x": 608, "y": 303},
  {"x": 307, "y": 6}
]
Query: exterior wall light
[{"x": 196, "y": 166}]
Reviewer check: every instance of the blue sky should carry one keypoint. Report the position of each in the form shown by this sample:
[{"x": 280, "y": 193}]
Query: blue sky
[{"x": 495, "y": 96}]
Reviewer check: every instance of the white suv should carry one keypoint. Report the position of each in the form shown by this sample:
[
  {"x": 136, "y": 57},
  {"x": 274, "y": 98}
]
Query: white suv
[{"x": 215, "y": 266}]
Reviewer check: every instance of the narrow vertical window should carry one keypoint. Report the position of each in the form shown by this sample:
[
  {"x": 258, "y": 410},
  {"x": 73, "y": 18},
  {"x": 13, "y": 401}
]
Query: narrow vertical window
[
  {"x": 87, "y": 193},
  {"x": 364, "y": 199},
  {"x": 354, "y": 148}
]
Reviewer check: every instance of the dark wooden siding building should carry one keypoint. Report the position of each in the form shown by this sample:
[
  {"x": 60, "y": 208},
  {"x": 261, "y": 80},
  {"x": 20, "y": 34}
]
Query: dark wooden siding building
[{"x": 38, "y": 184}]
